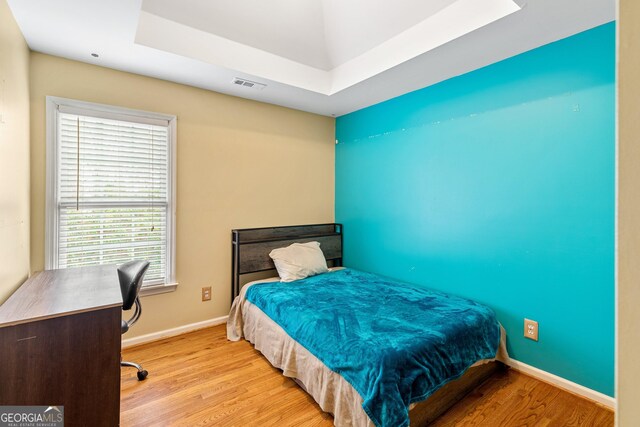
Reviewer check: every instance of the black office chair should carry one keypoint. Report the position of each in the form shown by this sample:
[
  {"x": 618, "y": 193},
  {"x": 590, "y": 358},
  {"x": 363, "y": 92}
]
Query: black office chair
[{"x": 130, "y": 275}]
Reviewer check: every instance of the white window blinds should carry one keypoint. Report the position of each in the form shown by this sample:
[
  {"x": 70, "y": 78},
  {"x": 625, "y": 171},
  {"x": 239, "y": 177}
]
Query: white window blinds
[{"x": 113, "y": 192}]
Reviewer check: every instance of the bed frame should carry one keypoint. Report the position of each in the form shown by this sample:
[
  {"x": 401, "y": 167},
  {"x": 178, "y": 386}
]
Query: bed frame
[
  {"x": 250, "y": 254},
  {"x": 250, "y": 247}
]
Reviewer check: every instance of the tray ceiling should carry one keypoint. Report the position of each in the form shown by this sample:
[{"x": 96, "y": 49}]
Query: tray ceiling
[{"x": 324, "y": 56}]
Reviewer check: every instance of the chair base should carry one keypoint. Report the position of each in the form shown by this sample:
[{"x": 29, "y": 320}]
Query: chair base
[{"x": 142, "y": 373}]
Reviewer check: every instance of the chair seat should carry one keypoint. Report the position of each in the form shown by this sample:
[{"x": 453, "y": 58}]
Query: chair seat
[{"x": 124, "y": 327}]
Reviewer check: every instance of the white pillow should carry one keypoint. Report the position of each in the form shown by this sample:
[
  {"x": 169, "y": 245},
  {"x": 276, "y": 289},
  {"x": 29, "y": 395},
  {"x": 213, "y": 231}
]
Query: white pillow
[{"x": 298, "y": 261}]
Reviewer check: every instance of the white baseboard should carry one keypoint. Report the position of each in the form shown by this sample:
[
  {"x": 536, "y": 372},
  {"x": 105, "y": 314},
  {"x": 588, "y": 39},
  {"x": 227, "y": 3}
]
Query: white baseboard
[
  {"x": 155, "y": 336},
  {"x": 562, "y": 383}
]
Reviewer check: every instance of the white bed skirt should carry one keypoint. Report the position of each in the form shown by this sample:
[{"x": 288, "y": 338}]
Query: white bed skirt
[{"x": 332, "y": 392}]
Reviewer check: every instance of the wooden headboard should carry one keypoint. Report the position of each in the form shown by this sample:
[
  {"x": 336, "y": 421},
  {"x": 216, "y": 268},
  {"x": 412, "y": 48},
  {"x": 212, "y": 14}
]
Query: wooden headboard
[{"x": 251, "y": 247}]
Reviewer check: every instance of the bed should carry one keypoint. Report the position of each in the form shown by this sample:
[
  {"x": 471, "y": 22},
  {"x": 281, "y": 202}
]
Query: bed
[{"x": 370, "y": 350}]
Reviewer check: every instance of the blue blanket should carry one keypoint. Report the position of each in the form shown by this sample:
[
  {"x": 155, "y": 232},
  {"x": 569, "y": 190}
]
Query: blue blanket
[{"x": 395, "y": 343}]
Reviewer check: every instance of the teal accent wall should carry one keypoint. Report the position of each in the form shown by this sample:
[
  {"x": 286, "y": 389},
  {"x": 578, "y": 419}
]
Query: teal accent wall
[{"x": 499, "y": 185}]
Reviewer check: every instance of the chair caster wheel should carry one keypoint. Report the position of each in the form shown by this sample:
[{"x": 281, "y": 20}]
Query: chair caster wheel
[{"x": 142, "y": 375}]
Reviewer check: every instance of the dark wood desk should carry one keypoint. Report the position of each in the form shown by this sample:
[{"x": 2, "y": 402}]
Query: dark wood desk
[{"x": 60, "y": 344}]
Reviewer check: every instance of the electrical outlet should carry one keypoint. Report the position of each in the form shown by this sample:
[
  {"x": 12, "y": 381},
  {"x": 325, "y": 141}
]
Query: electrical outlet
[
  {"x": 206, "y": 293},
  {"x": 531, "y": 329}
]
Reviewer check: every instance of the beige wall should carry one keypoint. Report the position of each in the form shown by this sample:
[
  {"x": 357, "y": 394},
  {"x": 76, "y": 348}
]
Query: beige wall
[
  {"x": 240, "y": 164},
  {"x": 14, "y": 155},
  {"x": 628, "y": 352}
]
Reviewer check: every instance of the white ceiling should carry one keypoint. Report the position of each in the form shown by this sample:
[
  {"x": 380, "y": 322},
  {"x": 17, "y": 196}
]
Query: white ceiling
[
  {"x": 245, "y": 48},
  {"x": 321, "y": 33},
  {"x": 324, "y": 56}
]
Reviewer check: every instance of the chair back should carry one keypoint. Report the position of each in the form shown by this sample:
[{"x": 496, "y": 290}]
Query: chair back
[{"x": 130, "y": 275}]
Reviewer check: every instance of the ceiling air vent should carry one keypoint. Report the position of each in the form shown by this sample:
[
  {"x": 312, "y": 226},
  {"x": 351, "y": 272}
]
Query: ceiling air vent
[{"x": 248, "y": 83}]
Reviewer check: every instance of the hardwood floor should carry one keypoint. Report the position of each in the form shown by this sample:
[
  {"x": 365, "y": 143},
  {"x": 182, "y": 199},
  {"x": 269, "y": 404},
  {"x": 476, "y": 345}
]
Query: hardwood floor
[
  {"x": 201, "y": 379},
  {"x": 514, "y": 399}
]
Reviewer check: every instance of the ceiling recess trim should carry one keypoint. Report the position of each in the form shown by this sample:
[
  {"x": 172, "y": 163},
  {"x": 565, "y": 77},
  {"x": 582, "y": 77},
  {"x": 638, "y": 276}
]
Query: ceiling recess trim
[{"x": 452, "y": 22}]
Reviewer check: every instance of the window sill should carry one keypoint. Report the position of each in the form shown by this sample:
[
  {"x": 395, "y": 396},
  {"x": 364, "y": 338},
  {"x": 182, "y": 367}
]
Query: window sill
[{"x": 157, "y": 289}]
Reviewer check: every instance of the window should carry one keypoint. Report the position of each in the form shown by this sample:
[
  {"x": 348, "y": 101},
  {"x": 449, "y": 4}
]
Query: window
[{"x": 110, "y": 188}]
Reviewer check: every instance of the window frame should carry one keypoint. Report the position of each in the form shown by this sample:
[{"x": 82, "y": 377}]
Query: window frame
[{"x": 53, "y": 106}]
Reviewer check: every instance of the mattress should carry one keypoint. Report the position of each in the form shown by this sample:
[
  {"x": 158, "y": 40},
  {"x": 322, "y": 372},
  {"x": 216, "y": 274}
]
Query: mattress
[{"x": 332, "y": 391}]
